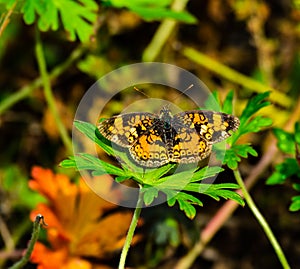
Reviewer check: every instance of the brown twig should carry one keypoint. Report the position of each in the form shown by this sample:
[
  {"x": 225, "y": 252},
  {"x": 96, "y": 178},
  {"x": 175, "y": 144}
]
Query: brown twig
[{"x": 6, "y": 18}]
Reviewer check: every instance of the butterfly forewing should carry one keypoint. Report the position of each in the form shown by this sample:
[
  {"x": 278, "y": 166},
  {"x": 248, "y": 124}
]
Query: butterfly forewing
[
  {"x": 211, "y": 126},
  {"x": 124, "y": 129}
]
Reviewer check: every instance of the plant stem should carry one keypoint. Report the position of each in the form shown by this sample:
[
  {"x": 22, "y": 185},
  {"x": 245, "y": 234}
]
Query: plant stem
[
  {"x": 131, "y": 230},
  {"x": 39, "y": 221},
  {"x": 49, "y": 94},
  {"x": 162, "y": 34},
  {"x": 261, "y": 220}
]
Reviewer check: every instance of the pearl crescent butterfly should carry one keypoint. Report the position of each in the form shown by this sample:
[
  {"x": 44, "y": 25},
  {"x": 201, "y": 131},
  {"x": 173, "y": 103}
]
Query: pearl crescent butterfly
[{"x": 154, "y": 140}]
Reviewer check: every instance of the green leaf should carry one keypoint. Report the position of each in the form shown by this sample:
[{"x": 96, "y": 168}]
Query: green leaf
[
  {"x": 176, "y": 181},
  {"x": 187, "y": 208},
  {"x": 168, "y": 232},
  {"x": 84, "y": 161},
  {"x": 255, "y": 125},
  {"x": 286, "y": 142},
  {"x": 254, "y": 104},
  {"x": 68, "y": 163},
  {"x": 295, "y": 205},
  {"x": 232, "y": 155},
  {"x": 151, "y": 14},
  {"x": 77, "y": 16},
  {"x": 149, "y": 195},
  {"x": 153, "y": 10},
  {"x": 121, "y": 179},
  {"x": 215, "y": 191},
  {"x": 218, "y": 190},
  {"x": 284, "y": 170},
  {"x": 296, "y": 187},
  {"x": 93, "y": 134},
  {"x": 149, "y": 3},
  {"x": 206, "y": 172},
  {"x": 186, "y": 202},
  {"x": 276, "y": 178}
]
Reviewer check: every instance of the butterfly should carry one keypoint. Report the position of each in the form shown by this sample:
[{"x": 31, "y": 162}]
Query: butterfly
[{"x": 157, "y": 139}]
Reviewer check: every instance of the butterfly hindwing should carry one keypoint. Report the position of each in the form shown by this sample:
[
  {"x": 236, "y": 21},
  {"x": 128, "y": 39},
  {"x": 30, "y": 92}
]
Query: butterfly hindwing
[{"x": 125, "y": 129}]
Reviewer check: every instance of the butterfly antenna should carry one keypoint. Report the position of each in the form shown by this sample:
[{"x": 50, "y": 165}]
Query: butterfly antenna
[
  {"x": 138, "y": 90},
  {"x": 189, "y": 87}
]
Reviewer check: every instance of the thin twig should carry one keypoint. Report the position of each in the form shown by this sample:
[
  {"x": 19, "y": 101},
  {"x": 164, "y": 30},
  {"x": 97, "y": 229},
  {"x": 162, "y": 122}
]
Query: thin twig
[
  {"x": 39, "y": 221},
  {"x": 6, "y": 19},
  {"x": 6, "y": 236}
]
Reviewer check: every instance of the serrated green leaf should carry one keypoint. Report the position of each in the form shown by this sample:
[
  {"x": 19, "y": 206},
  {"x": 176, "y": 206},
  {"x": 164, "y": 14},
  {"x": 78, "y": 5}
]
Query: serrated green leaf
[
  {"x": 226, "y": 186},
  {"x": 150, "y": 14},
  {"x": 77, "y": 17},
  {"x": 30, "y": 8},
  {"x": 94, "y": 135},
  {"x": 202, "y": 188},
  {"x": 187, "y": 208},
  {"x": 295, "y": 205},
  {"x": 120, "y": 179},
  {"x": 284, "y": 170},
  {"x": 253, "y": 105},
  {"x": 286, "y": 141},
  {"x": 145, "y": 3},
  {"x": 84, "y": 161},
  {"x": 255, "y": 125},
  {"x": 232, "y": 155},
  {"x": 171, "y": 196},
  {"x": 276, "y": 178},
  {"x": 149, "y": 194},
  {"x": 68, "y": 163},
  {"x": 206, "y": 172},
  {"x": 296, "y": 187},
  {"x": 153, "y": 10}
]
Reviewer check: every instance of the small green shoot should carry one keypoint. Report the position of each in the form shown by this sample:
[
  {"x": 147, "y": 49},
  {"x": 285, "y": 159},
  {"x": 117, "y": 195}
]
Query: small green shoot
[{"x": 248, "y": 123}]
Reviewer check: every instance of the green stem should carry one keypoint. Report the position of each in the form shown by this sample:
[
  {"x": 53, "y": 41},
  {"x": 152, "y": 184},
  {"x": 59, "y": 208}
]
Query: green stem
[
  {"x": 49, "y": 94},
  {"x": 25, "y": 91},
  {"x": 162, "y": 34},
  {"x": 261, "y": 221},
  {"x": 131, "y": 230},
  {"x": 39, "y": 221},
  {"x": 232, "y": 75}
]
